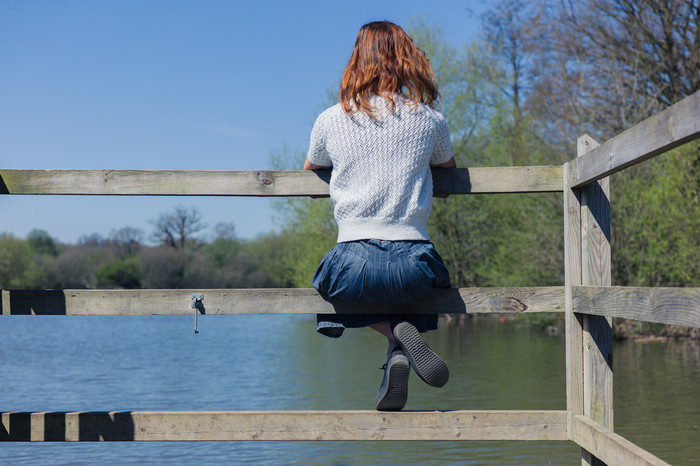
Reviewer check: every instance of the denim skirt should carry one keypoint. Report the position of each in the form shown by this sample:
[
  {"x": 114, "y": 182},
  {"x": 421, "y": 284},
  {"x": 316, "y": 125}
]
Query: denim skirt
[{"x": 377, "y": 271}]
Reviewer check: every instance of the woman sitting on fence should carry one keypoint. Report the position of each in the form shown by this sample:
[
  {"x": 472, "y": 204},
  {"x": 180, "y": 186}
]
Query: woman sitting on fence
[{"x": 381, "y": 141}]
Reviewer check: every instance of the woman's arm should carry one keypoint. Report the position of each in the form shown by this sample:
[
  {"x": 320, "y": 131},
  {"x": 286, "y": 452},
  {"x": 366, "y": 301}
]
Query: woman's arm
[
  {"x": 449, "y": 164},
  {"x": 312, "y": 166}
]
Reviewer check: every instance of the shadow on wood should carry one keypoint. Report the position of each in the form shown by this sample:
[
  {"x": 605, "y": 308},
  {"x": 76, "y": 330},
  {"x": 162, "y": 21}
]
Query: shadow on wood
[
  {"x": 28, "y": 302},
  {"x": 458, "y": 301},
  {"x": 61, "y": 426},
  {"x": 3, "y": 186}
]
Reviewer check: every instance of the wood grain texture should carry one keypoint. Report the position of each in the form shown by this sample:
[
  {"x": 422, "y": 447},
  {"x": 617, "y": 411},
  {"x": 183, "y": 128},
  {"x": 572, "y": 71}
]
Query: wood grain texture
[
  {"x": 596, "y": 270},
  {"x": 678, "y": 124},
  {"x": 609, "y": 446},
  {"x": 283, "y": 425},
  {"x": 672, "y": 306},
  {"x": 476, "y": 180},
  {"x": 572, "y": 277},
  {"x": 271, "y": 301}
]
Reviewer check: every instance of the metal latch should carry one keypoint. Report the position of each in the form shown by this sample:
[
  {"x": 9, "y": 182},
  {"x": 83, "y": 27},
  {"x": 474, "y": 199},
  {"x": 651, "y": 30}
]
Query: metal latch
[{"x": 198, "y": 307}]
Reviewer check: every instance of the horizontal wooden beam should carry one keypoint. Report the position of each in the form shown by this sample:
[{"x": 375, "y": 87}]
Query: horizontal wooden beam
[
  {"x": 283, "y": 425},
  {"x": 260, "y": 183},
  {"x": 270, "y": 301},
  {"x": 673, "y": 306},
  {"x": 676, "y": 306},
  {"x": 677, "y": 125},
  {"x": 608, "y": 446}
]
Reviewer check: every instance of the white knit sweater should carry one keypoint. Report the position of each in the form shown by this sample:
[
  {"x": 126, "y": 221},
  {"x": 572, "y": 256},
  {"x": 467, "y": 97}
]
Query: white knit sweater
[{"x": 381, "y": 185}]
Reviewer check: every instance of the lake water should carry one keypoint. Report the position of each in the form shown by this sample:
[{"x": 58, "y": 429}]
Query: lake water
[{"x": 263, "y": 362}]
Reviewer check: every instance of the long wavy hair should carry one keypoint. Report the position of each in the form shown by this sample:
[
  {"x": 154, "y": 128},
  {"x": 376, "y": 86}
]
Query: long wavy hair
[{"x": 385, "y": 61}]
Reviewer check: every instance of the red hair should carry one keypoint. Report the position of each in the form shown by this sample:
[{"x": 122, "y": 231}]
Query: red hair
[{"x": 385, "y": 60}]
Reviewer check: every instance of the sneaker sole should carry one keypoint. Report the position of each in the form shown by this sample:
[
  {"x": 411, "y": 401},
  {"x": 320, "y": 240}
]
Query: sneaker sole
[
  {"x": 428, "y": 365},
  {"x": 394, "y": 390}
]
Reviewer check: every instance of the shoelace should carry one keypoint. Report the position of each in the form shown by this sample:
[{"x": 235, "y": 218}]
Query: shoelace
[{"x": 398, "y": 348}]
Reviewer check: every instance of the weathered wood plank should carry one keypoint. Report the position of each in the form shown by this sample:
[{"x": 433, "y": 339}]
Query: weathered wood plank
[
  {"x": 271, "y": 301},
  {"x": 678, "y": 124},
  {"x": 609, "y": 446},
  {"x": 596, "y": 270},
  {"x": 476, "y": 180},
  {"x": 283, "y": 425},
  {"x": 572, "y": 277},
  {"x": 673, "y": 306},
  {"x": 485, "y": 180},
  {"x": 595, "y": 225}
]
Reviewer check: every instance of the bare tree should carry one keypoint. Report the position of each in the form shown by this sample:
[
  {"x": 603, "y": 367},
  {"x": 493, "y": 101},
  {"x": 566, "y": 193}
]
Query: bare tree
[
  {"x": 178, "y": 226},
  {"x": 126, "y": 241},
  {"x": 226, "y": 230},
  {"x": 506, "y": 26},
  {"x": 608, "y": 64},
  {"x": 655, "y": 41}
]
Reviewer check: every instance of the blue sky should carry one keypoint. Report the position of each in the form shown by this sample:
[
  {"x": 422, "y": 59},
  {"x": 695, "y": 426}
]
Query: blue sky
[{"x": 173, "y": 85}]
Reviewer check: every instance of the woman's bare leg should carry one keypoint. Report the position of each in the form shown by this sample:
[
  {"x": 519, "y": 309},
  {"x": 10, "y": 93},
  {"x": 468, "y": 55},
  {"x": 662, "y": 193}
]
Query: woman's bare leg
[{"x": 385, "y": 329}]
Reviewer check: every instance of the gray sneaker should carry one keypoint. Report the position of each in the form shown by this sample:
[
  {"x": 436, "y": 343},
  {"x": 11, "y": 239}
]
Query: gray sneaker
[
  {"x": 394, "y": 390},
  {"x": 428, "y": 365}
]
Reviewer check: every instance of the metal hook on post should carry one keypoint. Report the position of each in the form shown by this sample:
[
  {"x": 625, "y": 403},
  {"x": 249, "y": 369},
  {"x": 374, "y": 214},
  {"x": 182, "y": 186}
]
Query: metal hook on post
[{"x": 198, "y": 307}]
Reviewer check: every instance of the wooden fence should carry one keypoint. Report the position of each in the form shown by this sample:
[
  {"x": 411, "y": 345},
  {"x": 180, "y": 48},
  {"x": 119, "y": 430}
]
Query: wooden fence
[{"x": 587, "y": 299}]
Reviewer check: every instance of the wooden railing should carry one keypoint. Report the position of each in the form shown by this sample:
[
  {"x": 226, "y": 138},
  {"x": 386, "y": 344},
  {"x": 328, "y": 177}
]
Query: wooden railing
[{"x": 587, "y": 299}]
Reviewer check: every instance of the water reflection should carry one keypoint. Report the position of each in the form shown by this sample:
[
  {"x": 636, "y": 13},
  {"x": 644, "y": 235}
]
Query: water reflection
[
  {"x": 279, "y": 362},
  {"x": 657, "y": 397}
]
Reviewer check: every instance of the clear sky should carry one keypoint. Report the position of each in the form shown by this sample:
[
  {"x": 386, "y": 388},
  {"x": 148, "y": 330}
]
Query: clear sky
[{"x": 173, "y": 85}]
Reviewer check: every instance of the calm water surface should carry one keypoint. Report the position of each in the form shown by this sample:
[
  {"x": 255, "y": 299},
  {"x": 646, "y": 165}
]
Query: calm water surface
[{"x": 262, "y": 362}]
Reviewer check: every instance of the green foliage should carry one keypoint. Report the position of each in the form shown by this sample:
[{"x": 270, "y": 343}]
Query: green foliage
[
  {"x": 119, "y": 274},
  {"x": 309, "y": 231},
  {"x": 18, "y": 269},
  {"x": 41, "y": 243},
  {"x": 223, "y": 250},
  {"x": 656, "y": 219},
  {"x": 73, "y": 268},
  {"x": 541, "y": 319}
]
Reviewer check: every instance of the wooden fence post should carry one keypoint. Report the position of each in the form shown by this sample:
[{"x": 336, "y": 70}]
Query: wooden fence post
[
  {"x": 589, "y": 338},
  {"x": 572, "y": 277}
]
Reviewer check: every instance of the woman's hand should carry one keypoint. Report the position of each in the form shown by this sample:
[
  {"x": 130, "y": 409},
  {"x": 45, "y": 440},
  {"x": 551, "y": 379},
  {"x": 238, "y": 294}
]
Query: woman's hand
[
  {"x": 312, "y": 166},
  {"x": 449, "y": 164}
]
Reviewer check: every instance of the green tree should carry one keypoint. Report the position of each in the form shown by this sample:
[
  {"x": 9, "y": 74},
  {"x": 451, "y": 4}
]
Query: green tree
[
  {"x": 41, "y": 242},
  {"x": 309, "y": 228},
  {"x": 119, "y": 274},
  {"x": 73, "y": 268},
  {"x": 492, "y": 240},
  {"x": 164, "y": 267},
  {"x": 18, "y": 269},
  {"x": 223, "y": 251},
  {"x": 605, "y": 65},
  {"x": 656, "y": 224}
]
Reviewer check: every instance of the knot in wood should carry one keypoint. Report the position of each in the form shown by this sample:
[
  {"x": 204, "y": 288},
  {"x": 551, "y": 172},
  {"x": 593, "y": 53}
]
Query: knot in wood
[
  {"x": 511, "y": 304},
  {"x": 264, "y": 178}
]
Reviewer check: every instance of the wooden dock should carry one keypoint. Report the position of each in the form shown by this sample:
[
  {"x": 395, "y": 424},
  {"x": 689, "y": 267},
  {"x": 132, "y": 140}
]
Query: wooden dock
[{"x": 587, "y": 300}]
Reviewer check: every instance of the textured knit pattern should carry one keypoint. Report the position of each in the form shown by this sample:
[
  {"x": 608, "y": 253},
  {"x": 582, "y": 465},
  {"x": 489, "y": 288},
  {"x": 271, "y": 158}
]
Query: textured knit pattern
[{"x": 381, "y": 185}]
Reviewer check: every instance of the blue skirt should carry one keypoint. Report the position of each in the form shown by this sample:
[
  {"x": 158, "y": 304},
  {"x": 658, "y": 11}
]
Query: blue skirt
[{"x": 376, "y": 271}]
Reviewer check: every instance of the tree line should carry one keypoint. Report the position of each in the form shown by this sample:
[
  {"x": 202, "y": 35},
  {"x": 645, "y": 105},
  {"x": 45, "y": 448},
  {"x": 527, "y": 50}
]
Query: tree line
[{"x": 180, "y": 258}]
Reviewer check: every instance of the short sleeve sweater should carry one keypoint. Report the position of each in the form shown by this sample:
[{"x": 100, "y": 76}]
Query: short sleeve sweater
[{"x": 381, "y": 185}]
